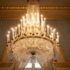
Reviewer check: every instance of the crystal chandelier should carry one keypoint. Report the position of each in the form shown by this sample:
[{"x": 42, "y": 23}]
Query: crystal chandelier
[{"x": 33, "y": 23}]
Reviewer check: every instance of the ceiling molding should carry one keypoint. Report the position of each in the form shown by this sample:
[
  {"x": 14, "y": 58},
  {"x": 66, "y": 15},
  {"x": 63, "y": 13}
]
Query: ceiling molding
[{"x": 51, "y": 13}]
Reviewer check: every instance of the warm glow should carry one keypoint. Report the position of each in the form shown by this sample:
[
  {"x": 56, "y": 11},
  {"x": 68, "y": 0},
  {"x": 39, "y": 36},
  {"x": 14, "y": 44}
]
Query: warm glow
[
  {"x": 34, "y": 22},
  {"x": 37, "y": 65},
  {"x": 29, "y": 65},
  {"x": 57, "y": 37},
  {"x": 32, "y": 25}
]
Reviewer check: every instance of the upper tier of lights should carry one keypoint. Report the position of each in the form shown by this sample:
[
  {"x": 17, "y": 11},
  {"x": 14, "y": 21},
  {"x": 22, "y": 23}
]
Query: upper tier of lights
[{"x": 33, "y": 23}]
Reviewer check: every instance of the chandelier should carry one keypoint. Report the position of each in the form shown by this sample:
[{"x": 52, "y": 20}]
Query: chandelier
[{"x": 33, "y": 23}]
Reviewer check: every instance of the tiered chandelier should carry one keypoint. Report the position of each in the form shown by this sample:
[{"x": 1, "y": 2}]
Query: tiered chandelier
[{"x": 33, "y": 23}]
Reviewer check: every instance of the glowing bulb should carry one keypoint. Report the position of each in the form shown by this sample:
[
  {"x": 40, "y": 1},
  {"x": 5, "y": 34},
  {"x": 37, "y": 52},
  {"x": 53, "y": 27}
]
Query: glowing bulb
[
  {"x": 13, "y": 36},
  {"x": 48, "y": 28},
  {"x": 44, "y": 19},
  {"x": 8, "y": 37},
  {"x": 23, "y": 19},
  {"x": 12, "y": 29},
  {"x": 8, "y": 32},
  {"x": 54, "y": 30},
  {"x": 18, "y": 25},
  {"x": 57, "y": 37},
  {"x": 41, "y": 15},
  {"x": 19, "y": 29},
  {"x": 15, "y": 31}
]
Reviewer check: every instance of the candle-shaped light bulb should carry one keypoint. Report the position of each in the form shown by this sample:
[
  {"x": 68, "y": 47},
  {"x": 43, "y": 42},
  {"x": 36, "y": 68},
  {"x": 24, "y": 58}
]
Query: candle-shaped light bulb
[
  {"x": 48, "y": 29},
  {"x": 16, "y": 28},
  {"x": 8, "y": 32},
  {"x": 18, "y": 25},
  {"x": 8, "y": 36},
  {"x": 26, "y": 14},
  {"x": 51, "y": 36},
  {"x": 42, "y": 20},
  {"x": 19, "y": 29},
  {"x": 54, "y": 30},
  {"x": 27, "y": 19},
  {"x": 23, "y": 19},
  {"x": 57, "y": 37},
  {"x": 51, "y": 32},
  {"x": 42, "y": 23},
  {"x": 41, "y": 15},
  {"x": 12, "y": 29},
  {"x": 13, "y": 36},
  {"x": 15, "y": 31},
  {"x": 38, "y": 20},
  {"x": 21, "y": 26}
]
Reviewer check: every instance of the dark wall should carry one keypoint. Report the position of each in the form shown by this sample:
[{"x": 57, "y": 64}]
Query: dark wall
[
  {"x": 62, "y": 26},
  {"x": 48, "y": 2}
]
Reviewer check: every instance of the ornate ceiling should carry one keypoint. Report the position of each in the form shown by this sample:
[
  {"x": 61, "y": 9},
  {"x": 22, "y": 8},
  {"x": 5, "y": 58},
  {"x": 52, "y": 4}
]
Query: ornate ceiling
[{"x": 52, "y": 9}]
